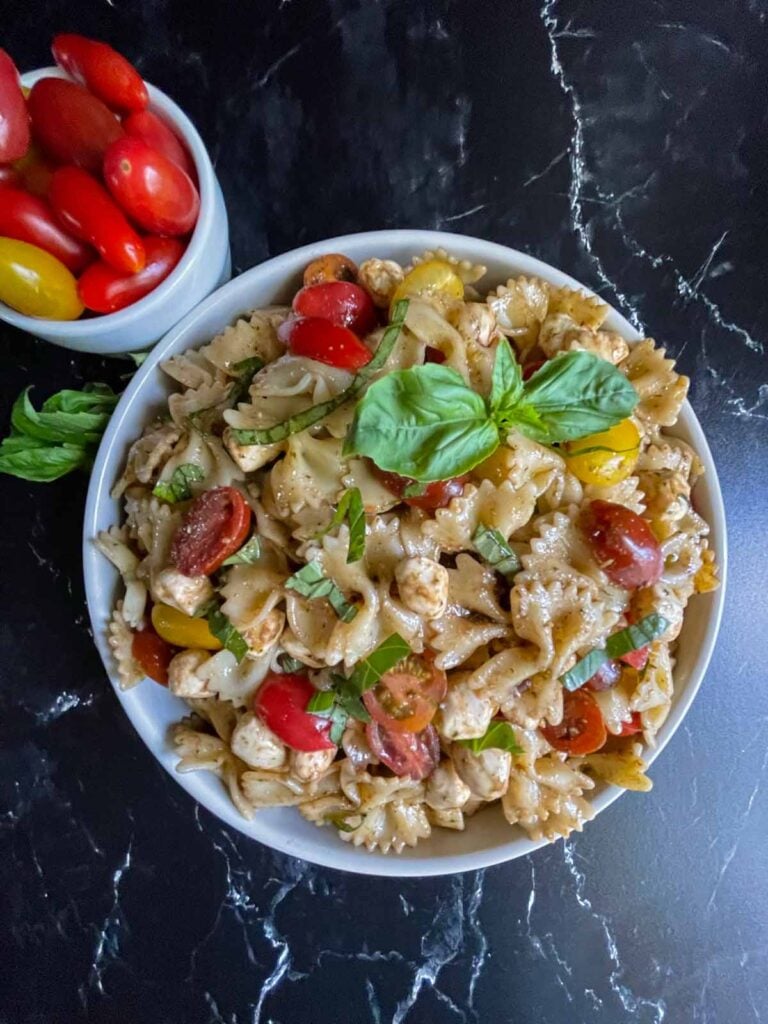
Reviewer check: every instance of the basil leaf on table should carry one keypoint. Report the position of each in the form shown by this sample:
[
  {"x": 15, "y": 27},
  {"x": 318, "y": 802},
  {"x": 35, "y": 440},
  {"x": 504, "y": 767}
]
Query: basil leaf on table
[
  {"x": 350, "y": 508},
  {"x": 498, "y": 736},
  {"x": 177, "y": 488},
  {"x": 632, "y": 638},
  {"x": 311, "y": 582},
  {"x": 56, "y": 424},
  {"x": 38, "y": 462}
]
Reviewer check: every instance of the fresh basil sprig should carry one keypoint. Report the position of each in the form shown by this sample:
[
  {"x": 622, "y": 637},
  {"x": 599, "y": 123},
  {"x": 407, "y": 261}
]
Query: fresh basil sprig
[
  {"x": 498, "y": 736},
  {"x": 177, "y": 488},
  {"x": 248, "y": 554},
  {"x": 428, "y": 424},
  {"x": 350, "y": 508},
  {"x": 496, "y": 551},
  {"x": 226, "y": 634},
  {"x": 632, "y": 638},
  {"x": 310, "y": 581}
]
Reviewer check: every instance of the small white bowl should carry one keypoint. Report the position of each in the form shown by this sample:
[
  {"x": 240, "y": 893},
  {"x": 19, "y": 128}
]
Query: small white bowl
[
  {"x": 204, "y": 266},
  {"x": 488, "y": 838}
]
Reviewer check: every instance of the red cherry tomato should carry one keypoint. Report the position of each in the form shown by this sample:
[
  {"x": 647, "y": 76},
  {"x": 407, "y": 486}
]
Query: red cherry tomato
[
  {"x": 406, "y": 753},
  {"x": 153, "y": 654},
  {"x": 30, "y": 219},
  {"x": 433, "y": 355},
  {"x": 436, "y": 495},
  {"x": 324, "y": 341},
  {"x": 281, "y": 703},
  {"x": 34, "y": 172},
  {"x": 606, "y": 676},
  {"x": 531, "y": 368},
  {"x": 71, "y": 125},
  {"x": 635, "y": 725},
  {"x": 152, "y": 130},
  {"x": 84, "y": 207},
  {"x": 582, "y": 730},
  {"x": 152, "y": 190},
  {"x": 14, "y": 119},
  {"x": 341, "y": 302},
  {"x": 406, "y": 697},
  {"x": 9, "y": 175},
  {"x": 637, "y": 659},
  {"x": 103, "y": 70},
  {"x": 105, "y": 290},
  {"x": 214, "y": 527},
  {"x": 623, "y": 544}
]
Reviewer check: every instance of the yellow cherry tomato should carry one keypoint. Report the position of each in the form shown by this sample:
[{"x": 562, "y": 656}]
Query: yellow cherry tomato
[
  {"x": 36, "y": 283},
  {"x": 183, "y": 630},
  {"x": 604, "y": 458},
  {"x": 433, "y": 277}
]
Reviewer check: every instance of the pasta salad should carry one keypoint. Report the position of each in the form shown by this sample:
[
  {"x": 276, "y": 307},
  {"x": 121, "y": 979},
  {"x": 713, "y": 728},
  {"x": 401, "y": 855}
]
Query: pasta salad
[{"x": 410, "y": 546}]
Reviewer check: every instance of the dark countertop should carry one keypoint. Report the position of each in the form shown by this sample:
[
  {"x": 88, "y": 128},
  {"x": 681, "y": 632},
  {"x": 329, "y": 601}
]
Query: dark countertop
[{"x": 622, "y": 142}]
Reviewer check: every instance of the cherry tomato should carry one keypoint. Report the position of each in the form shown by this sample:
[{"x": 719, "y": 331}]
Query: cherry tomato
[
  {"x": 105, "y": 290},
  {"x": 152, "y": 190},
  {"x": 183, "y": 630},
  {"x": 31, "y": 220},
  {"x": 36, "y": 283},
  {"x": 433, "y": 355},
  {"x": 433, "y": 277},
  {"x": 582, "y": 730},
  {"x": 341, "y": 302},
  {"x": 623, "y": 544},
  {"x": 606, "y": 676},
  {"x": 103, "y": 70},
  {"x": 406, "y": 697},
  {"x": 637, "y": 659},
  {"x": 34, "y": 172},
  {"x": 605, "y": 458},
  {"x": 214, "y": 527},
  {"x": 326, "y": 342},
  {"x": 633, "y": 726},
  {"x": 530, "y": 368},
  {"x": 153, "y": 654},
  {"x": 435, "y": 495},
  {"x": 14, "y": 119},
  {"x": 84, "y": 207},
  {"x": 406, "y": 753},
  {"x": 281, "y": 703},
  {"x": 331, "y": 267},
  {"x": 152, "y": 130},
  {"x": 71, "y": 125},
  {"x": 9, "y": 175}
]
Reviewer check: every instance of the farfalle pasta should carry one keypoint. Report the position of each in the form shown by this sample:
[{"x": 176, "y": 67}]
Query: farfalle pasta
[{"x": 428, "y": 551}]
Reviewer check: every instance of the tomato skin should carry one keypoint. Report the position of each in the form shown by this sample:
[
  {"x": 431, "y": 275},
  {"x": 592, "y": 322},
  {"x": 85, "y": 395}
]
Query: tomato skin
[
  {"x": 281, "y": 703},
  {"x": 84, "y": 207},
  {"x": 105, "y": 72},
  {"x": 153, "y": 654},
  {"x": 433, "y": 277},
  {"x": 436, "y": 495},
  {"x": 152, "y": 190},
  {"x": 180, "y": 630},
  {"x": 215, "y": 525},
  {"x": 606, "y": 676},
  {"x": 152, "y": 130},
  {"x": 407, "y": 697},
  {"x": 34, "y": 172},
  {"x": 635, "y": 725},
  {"x": 30, "y": 219},
  {"x": 71, "y": 125},
  {"x": 434, "y": 355},
  {"x": 613, "y": 460},
  {"x": 416, "y": 754},
  {"x": 530, "y": 368},
  {"x": 105, "y": 290},
  {"x": 582, "y": 730},
  {"x": 623, "y": 544},
  {"x": 9, "y": 176},
  {"x": 333, "y": 266},
  {"x": 637, "y": 659},
  {"x": 36, "y": 283},
  {"x": 14, "y": 119},
  {"x": 325, "y": 342},
  {"x": 341, "y": 302}
]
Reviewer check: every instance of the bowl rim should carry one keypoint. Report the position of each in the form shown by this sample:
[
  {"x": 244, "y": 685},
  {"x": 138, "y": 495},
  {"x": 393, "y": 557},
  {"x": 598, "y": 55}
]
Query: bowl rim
[
  {"x": 349, "y": 858},
  {"x": 162, "y": 104}
]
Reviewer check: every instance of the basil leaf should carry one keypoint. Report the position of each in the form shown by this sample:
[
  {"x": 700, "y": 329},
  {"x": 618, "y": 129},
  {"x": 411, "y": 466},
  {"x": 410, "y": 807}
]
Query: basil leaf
[
  {"x": 496, "y": 551},
  {"x": 632, "y": 638},
  {"x": 415, "y": 490},
  {"x": 353, "y": 705},
  {"x": 93, "y": 398},
  {"x": 324, "y": 703},
  {"x": 339, "y": 821},
  {"x": 506, "y": 379},
  {"x": 311, "y": 582},
  {"x": 370, "y": 670},
  {"x": 226, "y": 633},
  {"x": 498, "y": 736},
  {"x": 178, "y": 487},
  {"x": 321, "y": 702},
  {"x": 137, "y": 357},
  {"x": 423, "y": 423},
  {"x": 584, "y": 669},
  {"x": 248, "y": 554},
  {"x": 350, "y": 508},
  {"x": 31, "y": 459},
  {"x": 289, "y": 664},
  {"x": 79, "y": 428},
  {"x": 246, "y": 369}
]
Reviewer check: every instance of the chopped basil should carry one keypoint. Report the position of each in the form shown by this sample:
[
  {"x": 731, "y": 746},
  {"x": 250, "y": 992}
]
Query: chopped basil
[
  {"x": 325, "y": 704},
  {"x": 415, "y": 490},
  {"x": 350, "y": 508},
  {"x": 289, "y": 664},
  {"x": 249, "y": 553},
  {"x": 496, "y": 551},
  {"x": 178, "y": 487},
  {"x": 340, "y": 821},
  {"x": 226, "y": 633},
  {"x": 370, "y": 670},
  {"x": 311, "y": 582},
  {"x": 246, "y": 370},
  {"x": 632, "y": 638},
  {"x": 498, "y": 736}
]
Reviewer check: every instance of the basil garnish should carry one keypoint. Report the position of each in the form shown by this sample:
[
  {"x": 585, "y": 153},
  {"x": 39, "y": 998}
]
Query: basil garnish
[
  {"x": 289, "y": 664},
  {"x": 246, "y": 370},
  {"x": 498, "y": 736},
  {"x": 249, "y": 553},
  {"x": 632, "y": 638},
  {"x": 178, "y": 487},
  {"x": 496, "y": 551},
  {"x": 350, "y": 508},
  {"x": 311, "y": 582},
  {"x": 226, "y": 634}
]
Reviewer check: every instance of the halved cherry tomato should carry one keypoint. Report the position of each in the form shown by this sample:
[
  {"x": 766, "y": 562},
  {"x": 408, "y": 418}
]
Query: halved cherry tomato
[
  {"x": 153, "y": 190},
  {"x": 215, "y": 525},
  {"x": 406, "y": 753},
  {"x": 103, "y": 70},
  {"x": 623, "y": 544},
  {"x": 633, "y": 726},
  {"x": 183, "y": 630},
  {"x": 406, "y": 698},
  {"x": 105, "y": 290},
  {"x": 434, "y": 355},
  {"x": 71, "y": 125},
  {"x": 605, "y": 458},
  {"x": 153, "y": 654},
  {"x": 36, "y": 283},
  {"x": 281, "y": 703},
  {"x": 151, "y": 129},
  {"x": 31, "y": 220},
  {"x": 85, "y": 208},
  {"x": 637, "y": 659},
  {"x": 606, "y": 676},
  {"x": 341, "y": 302},
  {"x": 326, "y": 342},
  {"x": 14, "y": 119},
  {"x": 435, "y": 495},
  {"x": 433, "y": 277},
  {"x": 582, "y": 730},
  {"x": 331, "y": 267},
  {"x": 34, "y": 172},
  {"x": 530, "y": 368}
]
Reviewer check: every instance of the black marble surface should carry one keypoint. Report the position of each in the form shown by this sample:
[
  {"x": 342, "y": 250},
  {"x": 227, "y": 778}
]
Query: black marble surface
[{"x": 622, "y": 141}]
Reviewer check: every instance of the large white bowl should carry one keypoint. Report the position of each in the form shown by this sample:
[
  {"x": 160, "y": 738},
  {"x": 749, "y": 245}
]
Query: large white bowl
[
  {"x": 488, "y": 839},
  {"x": 204, "y": 266}
]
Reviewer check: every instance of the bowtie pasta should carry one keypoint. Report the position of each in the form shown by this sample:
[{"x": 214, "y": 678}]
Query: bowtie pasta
[{"x": 386, "y": 619}]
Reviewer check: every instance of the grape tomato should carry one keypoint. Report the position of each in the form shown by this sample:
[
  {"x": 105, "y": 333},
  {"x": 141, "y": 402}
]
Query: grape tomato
[
  {"x": 153, "y": 191},
  {"x": 406, "y": 698},
  {"x": 415, "y": 754},
  {"x": 605, "y": 458},
  {"x": 623, "y": 543},
  {"x": 106, "y": 73},
  {"x": 71, "y": 125},
  {"x": 183, "y": 630},
  {"x": 433, "y": 277},
  {"x": 582, "y": 729},
  {"x": 152, "y": 130},
  {"x": 14, "y": 118},
  {"x": 438, "y": 494},
  {"x": 281, "y": 703},
  {"x": 105, "y": 290},
  {"x": 153, "y": 654},
  {"x": 331, "y": 267},
  {"x": 325, "y": 342},
  {"x": 30, "y": 219},
  {"x": 341, "y": 302},
  {"x": 215, "y": 525},
  {"x": 36, "y": 283}
]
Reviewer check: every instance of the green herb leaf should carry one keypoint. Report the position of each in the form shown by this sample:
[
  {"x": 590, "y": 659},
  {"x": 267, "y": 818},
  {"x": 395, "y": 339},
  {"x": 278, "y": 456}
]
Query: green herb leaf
[
  {"x": 506, "y": 379},
  {"x": 311, "y": 582},
  {"x": 289, "y": 664},
  {"x": 79, "y": 428},
  {"x": 248, "y": 554},
  {"x": 370, "y": 670},
  {"x": 246, "y": 369},
  {"x": 498, "y": 736},
  {"x": 350, "y": 508},
  {"x": 632, "y": 638},
  {"x": 584, "y": 669},
  {"x": 496, "y": 551},
  {"x": 415, "y": 490},
  {"x": 178, "y": 487},
  {"x": 340, "y": 822},
  {"x": 137, "y": 357},
  {"x": 325, "y": 704},
  {"x": 321, "y": 702},
  {"x": 32, "y": 459},
  {"x": 226, "y": 633}
]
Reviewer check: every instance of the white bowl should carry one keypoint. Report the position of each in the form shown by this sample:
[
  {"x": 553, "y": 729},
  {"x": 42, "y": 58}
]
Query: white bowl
[
  {"x": 204, "y": 265},
  {"x": 488, "y": 838}
]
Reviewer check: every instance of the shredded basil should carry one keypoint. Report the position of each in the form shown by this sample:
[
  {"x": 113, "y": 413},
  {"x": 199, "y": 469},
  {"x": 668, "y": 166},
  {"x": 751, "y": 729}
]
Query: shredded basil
[
  {"x": 289, "y": 664},
  {"x": 350, "y": 508},
  {"x": 178, "y": 487},
  {"x": 226, "y": 634},
  {"x": 415, "y": 490},
  {"x": 311, "y": 582},
  {"x": 496, "y": 551},
  {"x": 246, "y": 370},
  {"x": 632, "y": 638},
  {"x": 249, "y": 553},
  {"x": 498, "y": 736},
  {"x": 370, "y": 670}
]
